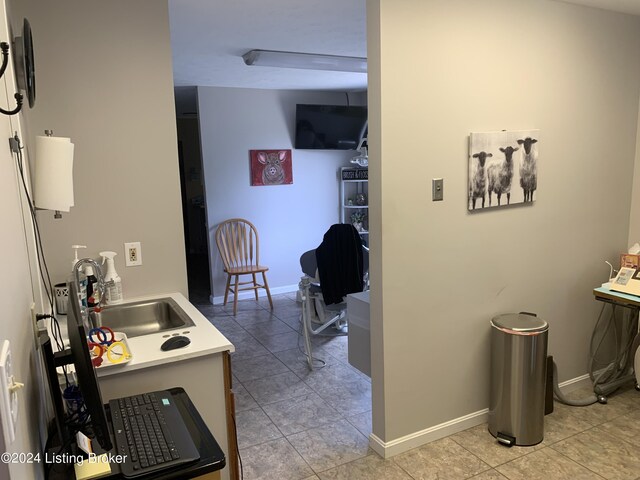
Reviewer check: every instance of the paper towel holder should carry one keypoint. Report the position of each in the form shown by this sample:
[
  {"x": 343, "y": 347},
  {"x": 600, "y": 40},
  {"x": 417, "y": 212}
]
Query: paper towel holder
[{"x": 54, "y": 174}]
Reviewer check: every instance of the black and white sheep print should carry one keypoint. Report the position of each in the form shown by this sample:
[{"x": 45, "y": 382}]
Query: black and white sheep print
[{"x": 503, "y": 168}]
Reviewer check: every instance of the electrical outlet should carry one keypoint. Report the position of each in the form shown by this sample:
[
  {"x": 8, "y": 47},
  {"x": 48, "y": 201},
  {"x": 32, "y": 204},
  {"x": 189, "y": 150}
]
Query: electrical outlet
[{"x": 132, "y": 254}]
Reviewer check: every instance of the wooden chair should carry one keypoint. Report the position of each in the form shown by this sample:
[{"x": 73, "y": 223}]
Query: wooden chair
[{"x": 237, "y": 241}]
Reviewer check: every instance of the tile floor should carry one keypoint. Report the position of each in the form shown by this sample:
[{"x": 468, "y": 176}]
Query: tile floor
[{"x": 295, "y": 424}]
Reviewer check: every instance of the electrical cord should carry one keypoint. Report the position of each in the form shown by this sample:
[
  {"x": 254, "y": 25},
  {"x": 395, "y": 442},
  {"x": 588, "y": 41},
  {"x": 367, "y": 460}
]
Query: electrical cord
[
  {"x": 233, "y": 417},
  {"x": 42, "y": 263},
  {"x": 619, "y": 365},
  {"x": 4, "y": 46},
  {"x": 45, "y": 277},
  {"x": 614, "y": 368}
]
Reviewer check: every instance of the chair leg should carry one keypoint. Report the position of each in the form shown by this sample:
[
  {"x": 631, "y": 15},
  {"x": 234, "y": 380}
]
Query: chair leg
[
  {"x": 226, "y": 290},
  {"x": 266, "y": 287},
  {"x": 255, "y": 285},
  {"x": 235, "y": 296}
]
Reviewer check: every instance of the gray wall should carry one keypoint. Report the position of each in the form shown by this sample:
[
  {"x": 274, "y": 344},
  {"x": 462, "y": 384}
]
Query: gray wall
[
  {"x": 290, "y": 219},
  {"x": 439, "y": 70},
  {"x": 634, "y": 221},
  {"x": 104, "y": 79},
  {"x": 17, "y": 277}
]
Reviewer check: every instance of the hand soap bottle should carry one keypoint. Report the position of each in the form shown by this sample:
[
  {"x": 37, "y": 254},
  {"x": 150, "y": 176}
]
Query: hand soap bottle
[{"x": 114, "y": 290}]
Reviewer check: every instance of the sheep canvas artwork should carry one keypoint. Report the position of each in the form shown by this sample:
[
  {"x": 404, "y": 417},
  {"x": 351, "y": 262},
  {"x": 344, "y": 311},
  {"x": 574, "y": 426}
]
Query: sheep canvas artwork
[
  {"x": 271, "y": 167},
  {"x": 503, "y": 168}
]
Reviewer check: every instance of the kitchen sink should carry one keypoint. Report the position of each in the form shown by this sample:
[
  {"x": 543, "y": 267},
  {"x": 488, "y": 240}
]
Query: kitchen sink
[{"x": 143, "y": 317}]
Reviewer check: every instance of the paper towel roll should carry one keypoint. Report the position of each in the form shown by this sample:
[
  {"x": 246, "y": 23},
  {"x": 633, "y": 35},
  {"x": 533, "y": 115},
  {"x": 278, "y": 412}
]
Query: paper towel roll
[{"x": 54, "y": 173}]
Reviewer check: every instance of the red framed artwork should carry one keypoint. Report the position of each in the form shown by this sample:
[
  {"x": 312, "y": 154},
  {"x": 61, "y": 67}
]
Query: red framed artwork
[{"x": 271, "y": 167}]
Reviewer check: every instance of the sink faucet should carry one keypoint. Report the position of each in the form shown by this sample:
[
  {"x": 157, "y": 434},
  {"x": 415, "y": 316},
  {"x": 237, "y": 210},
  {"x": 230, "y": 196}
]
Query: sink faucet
[{"x": 87, "y": 317}]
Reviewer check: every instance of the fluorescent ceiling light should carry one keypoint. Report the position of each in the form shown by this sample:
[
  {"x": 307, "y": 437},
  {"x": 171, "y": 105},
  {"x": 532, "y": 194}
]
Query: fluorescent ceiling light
[{"x": 272, "y": 58}]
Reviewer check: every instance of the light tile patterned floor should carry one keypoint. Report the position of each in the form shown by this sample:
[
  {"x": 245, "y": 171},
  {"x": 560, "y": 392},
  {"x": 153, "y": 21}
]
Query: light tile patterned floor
[{"x": 294, "y": 424}]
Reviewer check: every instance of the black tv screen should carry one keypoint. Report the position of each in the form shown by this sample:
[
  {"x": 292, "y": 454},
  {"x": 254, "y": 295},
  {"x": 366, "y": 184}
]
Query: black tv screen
[{"x": 330, "y": 127}]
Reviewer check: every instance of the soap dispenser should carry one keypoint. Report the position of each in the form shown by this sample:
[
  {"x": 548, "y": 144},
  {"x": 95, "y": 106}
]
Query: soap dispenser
[
  {"x": 75, "y": 251},
  {"x": 112, "y": 279}
]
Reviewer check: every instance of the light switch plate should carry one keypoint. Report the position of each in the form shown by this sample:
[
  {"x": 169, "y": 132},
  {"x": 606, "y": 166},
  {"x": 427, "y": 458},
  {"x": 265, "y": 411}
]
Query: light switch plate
[
  {"x": 8, "y": 399},
  {"x": 437, "y": 189}
]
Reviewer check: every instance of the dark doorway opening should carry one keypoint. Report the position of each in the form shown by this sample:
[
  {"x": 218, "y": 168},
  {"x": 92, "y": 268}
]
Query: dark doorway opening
[{"x": 194, "y": 209}]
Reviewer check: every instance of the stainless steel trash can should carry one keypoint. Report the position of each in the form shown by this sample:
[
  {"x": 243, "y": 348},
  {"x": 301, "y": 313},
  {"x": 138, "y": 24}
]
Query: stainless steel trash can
[{"x": 518, "y": 376}]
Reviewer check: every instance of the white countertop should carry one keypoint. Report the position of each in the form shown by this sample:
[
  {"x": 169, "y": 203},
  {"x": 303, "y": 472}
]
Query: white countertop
[{"x": 205, "y": 340}]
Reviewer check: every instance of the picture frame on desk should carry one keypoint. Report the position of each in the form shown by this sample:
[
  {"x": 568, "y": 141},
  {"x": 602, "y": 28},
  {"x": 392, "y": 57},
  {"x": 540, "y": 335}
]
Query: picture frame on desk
[{"x": 629, "y": 260}]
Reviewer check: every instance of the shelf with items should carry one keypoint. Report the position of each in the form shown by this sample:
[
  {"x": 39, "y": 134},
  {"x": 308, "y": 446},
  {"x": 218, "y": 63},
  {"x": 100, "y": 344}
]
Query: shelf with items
[{"x": 354, "y": 201}]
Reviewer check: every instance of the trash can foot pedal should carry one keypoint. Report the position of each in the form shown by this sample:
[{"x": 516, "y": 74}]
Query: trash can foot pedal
[{"x": 506, "y": 440}]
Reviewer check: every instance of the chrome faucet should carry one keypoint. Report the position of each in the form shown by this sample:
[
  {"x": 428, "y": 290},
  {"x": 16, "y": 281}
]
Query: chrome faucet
[{"x": 91, "y": 316}]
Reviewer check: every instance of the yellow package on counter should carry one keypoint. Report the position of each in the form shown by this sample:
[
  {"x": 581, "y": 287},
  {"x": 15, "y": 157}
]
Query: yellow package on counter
[{"x": 96, "y": 467}]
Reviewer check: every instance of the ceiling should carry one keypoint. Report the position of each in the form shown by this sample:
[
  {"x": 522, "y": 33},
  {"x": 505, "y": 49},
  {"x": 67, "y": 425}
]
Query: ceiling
[{"x": 209, "y": 37}]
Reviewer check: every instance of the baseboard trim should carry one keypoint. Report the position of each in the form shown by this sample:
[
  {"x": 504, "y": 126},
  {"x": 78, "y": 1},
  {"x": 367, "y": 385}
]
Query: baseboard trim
[
  {"x": 576, "y": 383},
  {"x": 249, "y": 294},
  {"x": 413, "y": 440},
  {"x": 422, "y": 437}
]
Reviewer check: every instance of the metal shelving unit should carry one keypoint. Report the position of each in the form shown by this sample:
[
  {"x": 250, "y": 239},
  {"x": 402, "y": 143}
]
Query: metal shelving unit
[{"x": 354, "y": 182}]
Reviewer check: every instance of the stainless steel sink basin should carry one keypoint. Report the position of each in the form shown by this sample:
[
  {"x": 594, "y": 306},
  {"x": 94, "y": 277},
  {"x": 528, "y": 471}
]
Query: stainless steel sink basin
[{"x": 144, "y": 317}]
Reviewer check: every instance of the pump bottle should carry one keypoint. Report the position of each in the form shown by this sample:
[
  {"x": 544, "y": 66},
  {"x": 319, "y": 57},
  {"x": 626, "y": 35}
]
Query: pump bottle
[{"x": 114, "y": 290}]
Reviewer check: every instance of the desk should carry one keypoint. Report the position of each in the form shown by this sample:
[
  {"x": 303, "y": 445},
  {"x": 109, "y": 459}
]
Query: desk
[
  {"x": 211, "y": 460},
  {"x": 632, "y": 303},
  {"x": 617, "y": 298}
]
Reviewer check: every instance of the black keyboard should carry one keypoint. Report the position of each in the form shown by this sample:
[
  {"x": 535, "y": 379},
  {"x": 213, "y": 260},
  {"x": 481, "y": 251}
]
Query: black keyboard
[{"x": 150, "y": 432}]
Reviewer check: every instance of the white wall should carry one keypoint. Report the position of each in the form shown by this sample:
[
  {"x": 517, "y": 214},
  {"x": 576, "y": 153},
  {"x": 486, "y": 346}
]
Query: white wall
[
  {"x": 104, "y": 78},
  {"x": 290, "y": 219},
  {"x": 440, "y": 69}
]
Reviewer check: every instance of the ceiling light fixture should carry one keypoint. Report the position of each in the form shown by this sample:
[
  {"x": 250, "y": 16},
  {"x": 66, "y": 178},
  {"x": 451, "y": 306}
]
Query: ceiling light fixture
[{"x": 310, "y": 61}]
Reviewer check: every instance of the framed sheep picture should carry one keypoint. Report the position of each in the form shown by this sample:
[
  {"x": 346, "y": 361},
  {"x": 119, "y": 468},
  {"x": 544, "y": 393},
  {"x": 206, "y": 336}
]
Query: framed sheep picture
[
  {"x": 271, "y": 167},
  {"x": 503, "y": 168}
]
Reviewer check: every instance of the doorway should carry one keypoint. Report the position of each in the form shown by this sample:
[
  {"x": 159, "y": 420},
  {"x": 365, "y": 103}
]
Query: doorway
[{"x": 193, "y": 199}]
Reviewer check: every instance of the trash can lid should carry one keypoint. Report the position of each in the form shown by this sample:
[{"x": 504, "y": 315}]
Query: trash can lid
[{"x": 519, "y": 323}]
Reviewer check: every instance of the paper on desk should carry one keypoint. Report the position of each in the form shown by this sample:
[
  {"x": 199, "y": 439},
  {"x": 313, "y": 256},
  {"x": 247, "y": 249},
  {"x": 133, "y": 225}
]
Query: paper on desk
[{"x": 635, "y": 249}]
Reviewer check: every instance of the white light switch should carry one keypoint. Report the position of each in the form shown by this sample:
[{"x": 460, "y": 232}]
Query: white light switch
[{"x": 8, "y": 395}]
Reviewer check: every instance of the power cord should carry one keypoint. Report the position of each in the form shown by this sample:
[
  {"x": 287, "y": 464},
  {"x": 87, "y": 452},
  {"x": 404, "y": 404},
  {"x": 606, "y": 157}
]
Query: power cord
[
  {"x": 235, "y": 428},
  {"x": 16, "y": 147},
  {"x": 613, "y": 370}
]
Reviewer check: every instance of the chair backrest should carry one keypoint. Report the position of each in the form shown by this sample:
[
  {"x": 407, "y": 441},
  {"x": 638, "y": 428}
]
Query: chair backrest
[
  {"x": 309, "y": 264},
  {"x": 238, "y": 243},
  {"x": 340, "y": 263}
]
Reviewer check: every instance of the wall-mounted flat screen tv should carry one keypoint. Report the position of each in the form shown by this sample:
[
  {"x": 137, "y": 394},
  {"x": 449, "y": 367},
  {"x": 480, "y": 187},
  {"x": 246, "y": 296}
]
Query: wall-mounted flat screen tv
[{"x": 330, "y": 127}]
